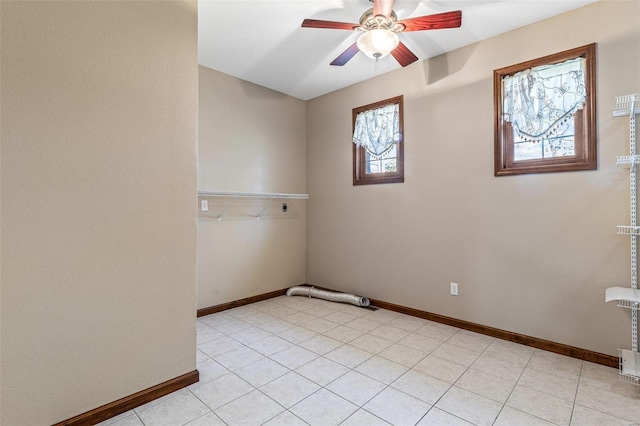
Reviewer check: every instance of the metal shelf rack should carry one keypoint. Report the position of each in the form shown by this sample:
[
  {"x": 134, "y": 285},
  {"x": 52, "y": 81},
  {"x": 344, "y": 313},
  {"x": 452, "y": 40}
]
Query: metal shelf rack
[
  {"x": 629, "y": 298},
  {"x": 264, "y": 195}
]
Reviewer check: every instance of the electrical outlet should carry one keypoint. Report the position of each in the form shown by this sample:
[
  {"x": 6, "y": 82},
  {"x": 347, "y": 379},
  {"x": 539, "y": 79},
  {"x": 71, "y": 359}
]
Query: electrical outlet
[
  {"x": 204, "y": 205},
  {"x": 454, "y": 289}
]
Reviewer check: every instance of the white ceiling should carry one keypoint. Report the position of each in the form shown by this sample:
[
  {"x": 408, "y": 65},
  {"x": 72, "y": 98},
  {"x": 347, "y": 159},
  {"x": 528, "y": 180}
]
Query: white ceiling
[{"x": 261, "y": 41}]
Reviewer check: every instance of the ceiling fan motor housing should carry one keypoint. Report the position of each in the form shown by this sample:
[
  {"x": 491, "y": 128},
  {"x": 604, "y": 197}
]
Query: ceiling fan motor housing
[{"x": 369, "y": 21}]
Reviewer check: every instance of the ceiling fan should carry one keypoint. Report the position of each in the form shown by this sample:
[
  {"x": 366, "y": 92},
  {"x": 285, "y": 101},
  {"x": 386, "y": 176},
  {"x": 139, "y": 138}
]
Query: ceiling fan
[{"x": 380, "y": 27}]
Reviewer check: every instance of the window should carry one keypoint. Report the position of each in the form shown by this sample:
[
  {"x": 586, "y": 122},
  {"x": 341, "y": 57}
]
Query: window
[
  {"x": 545, "y": 114},
  {"x": 378, "y": 152}
]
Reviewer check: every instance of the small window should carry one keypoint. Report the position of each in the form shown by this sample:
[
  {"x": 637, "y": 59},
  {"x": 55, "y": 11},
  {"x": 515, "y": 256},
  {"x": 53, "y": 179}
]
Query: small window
[
  {"x": 545, "y": 114},
  {"x": 378, "y": 152}
]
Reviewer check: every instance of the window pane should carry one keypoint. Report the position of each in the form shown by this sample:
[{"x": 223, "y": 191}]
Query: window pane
[
  {"x": 389, "y": 165},
  {"x": 374, "y": 167},
  {"x": 527, "y": 151},
  {"x": 560, "y": 148},
  {"x": 561, "y": 145},
  {"x": 391, "y": 152},
  {"x": 547, "y": 148},
  {"x": 383, "y": 163}
]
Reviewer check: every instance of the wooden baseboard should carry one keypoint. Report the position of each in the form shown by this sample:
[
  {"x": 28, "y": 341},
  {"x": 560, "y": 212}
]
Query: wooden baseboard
[
  {"x": 132, "y": 401},
  {"x": 236, "y": 303},
  {"x": 535, "y": 342},
  {"x": 559, "y": 348}
]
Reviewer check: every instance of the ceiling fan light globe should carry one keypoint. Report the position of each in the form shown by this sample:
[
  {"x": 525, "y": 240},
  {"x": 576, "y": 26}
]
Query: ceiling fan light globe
[{"x": 378, "y": 43}]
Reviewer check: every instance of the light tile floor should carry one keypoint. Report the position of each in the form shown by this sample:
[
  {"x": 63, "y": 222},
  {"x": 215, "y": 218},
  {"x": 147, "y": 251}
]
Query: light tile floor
[{"x": 299, "y": 361}]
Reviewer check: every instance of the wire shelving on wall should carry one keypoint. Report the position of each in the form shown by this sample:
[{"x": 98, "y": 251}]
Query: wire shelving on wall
[
  {"x": 232, "y": 196},
  {"x": 629, "y": 298}
]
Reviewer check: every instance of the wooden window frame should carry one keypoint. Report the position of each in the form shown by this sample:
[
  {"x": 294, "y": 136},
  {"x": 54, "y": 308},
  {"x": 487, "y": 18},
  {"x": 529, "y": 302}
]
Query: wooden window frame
[
  {"x": 585, "y": 135},
  {"x": 360, "y": 177}
]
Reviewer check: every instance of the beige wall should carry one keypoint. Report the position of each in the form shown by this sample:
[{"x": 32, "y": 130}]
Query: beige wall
[
  {"x": 251, "y": 139},
  {"x": 532, "y": 254},
  {"x": 98, "y": 203}
]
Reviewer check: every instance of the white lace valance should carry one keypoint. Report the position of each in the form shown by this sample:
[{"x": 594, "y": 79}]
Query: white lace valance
[
  {"x": 377, "y": 130},
  {"x": 539, "y": 100}
]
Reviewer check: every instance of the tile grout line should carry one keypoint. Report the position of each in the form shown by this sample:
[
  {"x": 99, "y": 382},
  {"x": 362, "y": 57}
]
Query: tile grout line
[
  {"x": 575, "y": 395},
  {"x": 138, "y": 417},
  {"x": 345, "y": 343},
  {"x": 290, "y": 370},
  {"x": 235, "y": 399},
  {"x": 373, "y": 355},
  {"x": 203, "y": 403},
  {"x": 359, "y": 407},
  {"x": 514, "y": 388},
  {"x": 423, "y": 358},
  {"x": 516, "y": 384},
  {"x": 450, "y": 386},
  {"x": 558, "y": 376},
  {"x": 463, "y": 373}
]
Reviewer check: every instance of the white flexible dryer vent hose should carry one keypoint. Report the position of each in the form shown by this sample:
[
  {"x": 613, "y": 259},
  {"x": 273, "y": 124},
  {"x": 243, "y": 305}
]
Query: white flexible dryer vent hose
[{"x": 328, "y": 295}]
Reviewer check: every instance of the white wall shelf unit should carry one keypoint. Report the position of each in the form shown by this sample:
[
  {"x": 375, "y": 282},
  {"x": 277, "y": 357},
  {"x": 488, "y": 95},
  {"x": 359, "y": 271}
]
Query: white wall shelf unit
[
  {"x": 629, "y": 298},
  {"x": 232, "y": 196}
]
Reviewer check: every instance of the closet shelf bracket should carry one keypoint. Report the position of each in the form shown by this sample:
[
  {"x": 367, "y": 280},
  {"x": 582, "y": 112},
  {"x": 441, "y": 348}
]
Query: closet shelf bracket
[
  {"x": 265, "y": 207},
  {"x": 226, "y": 207}
]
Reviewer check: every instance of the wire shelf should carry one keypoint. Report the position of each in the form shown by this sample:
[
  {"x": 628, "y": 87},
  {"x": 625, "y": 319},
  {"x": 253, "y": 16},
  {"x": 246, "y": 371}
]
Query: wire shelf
[
  {"x": 252, "y": 195},
  {"x": 625, "y": 103},
  {"x": 628, "y": 304},
  {"x": 627, "y": 160},
  {"x": 629, "y": 366},
  {"x": 628, "y": 230},
  {"x": 625, "y": 297}
]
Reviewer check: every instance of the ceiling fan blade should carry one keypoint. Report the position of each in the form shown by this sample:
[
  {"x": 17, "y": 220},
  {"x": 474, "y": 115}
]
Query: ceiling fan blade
[
  {"x": 346, "y": 55},
  {"x": 331, "y": 25},
  {"x": 403, "y": 55},
  {"x": 433, "y": 22},
  {"x": 383, "y": 7}
]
